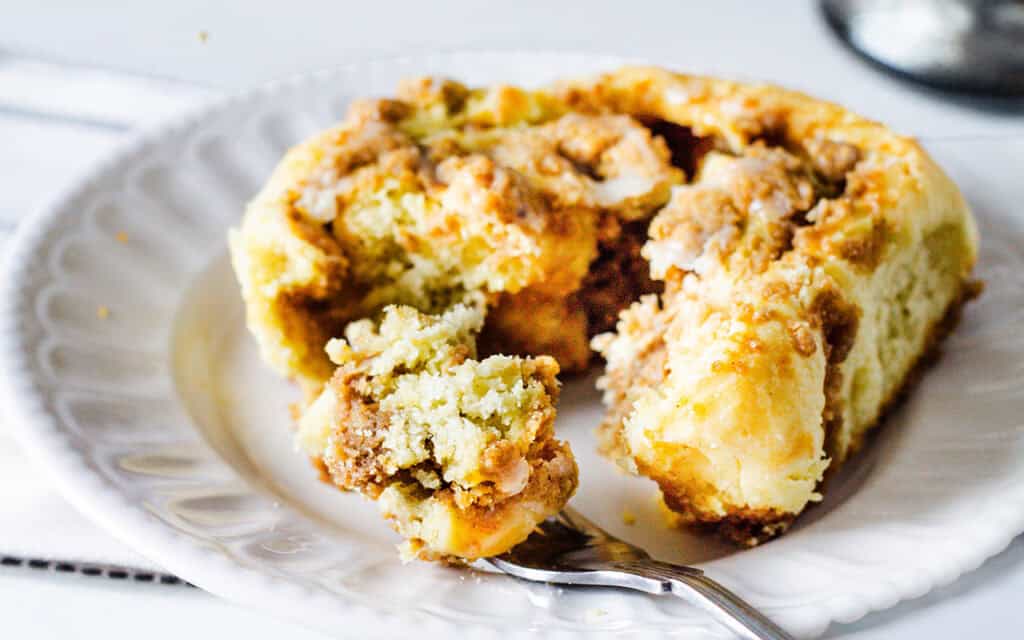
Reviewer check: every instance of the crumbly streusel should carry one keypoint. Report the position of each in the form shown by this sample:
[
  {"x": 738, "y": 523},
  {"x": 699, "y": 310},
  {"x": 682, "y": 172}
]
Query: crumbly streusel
[
  {"x": 459, "y": 453},
  {"x": 764, "y": 271}
]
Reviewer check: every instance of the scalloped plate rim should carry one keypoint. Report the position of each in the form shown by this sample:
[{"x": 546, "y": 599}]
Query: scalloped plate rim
[{"x": 38, "y": 433}]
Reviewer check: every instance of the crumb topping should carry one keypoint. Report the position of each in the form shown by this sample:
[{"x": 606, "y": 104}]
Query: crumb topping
[
  {"x": 448, "y": 192},
  {"x": 756, "y": 267},
  {"x": 411, "y": 410}
]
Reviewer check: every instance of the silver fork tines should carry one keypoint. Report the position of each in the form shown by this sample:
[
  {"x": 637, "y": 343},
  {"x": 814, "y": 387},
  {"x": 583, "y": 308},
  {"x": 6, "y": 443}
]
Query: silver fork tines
[{"x": 569, "y": 549}]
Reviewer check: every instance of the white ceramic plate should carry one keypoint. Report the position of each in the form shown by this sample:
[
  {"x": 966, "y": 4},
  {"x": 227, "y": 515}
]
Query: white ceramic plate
[{"x": 160, "y": 422}]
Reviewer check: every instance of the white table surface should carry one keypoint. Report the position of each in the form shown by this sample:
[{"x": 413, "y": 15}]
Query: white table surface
[{"x": 258, "y": 40}]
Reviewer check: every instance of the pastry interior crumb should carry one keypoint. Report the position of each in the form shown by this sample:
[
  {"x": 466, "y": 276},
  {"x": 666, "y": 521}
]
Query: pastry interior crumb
[
  {"x": 760, "y": 271},
  {"x": 458, "y": 452}
]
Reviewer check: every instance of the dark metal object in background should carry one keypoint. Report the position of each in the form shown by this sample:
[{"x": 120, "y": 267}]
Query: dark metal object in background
[{"x": 970, "y": 46}]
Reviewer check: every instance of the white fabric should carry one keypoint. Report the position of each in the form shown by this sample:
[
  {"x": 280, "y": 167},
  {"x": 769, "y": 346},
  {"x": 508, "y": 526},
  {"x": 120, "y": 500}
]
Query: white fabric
[
  {"x": 35, "y": 522},
  {"x": 55, "y": 122},
  {"x": 91, "y": 95}
]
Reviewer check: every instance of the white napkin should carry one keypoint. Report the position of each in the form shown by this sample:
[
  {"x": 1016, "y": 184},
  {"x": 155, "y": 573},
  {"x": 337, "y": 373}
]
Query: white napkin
[{"x": 55, "y": 122}]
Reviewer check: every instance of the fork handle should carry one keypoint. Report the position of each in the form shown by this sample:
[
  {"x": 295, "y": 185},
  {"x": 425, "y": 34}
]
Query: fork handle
[
  {"x": 698, "y": 589},
  {"x": 740, "y": 617}
]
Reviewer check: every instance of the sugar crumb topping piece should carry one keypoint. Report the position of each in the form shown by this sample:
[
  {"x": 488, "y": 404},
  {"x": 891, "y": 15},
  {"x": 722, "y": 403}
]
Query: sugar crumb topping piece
[
  {"x": 458, "y": 452},
  {"x": 519, "y": 196}
]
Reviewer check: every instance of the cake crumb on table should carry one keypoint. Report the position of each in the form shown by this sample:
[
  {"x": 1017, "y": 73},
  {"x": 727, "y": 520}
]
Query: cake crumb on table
[
  {"x": 628, "y": 517},
  {"x": 102, "y": 312},
  {"x": 121, "y": 237}
]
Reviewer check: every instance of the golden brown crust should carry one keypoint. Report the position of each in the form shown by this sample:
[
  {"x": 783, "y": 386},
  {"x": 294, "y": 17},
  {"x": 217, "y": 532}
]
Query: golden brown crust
[
  {"x": 444, "y": 192},
  {"x": 530, "y": 322},
  {"x": 750, "y": 527},
  {"x": 789, "y": 255},
  {"x": 747, "y": 527},
  {"x": 798, "y": 214},
  {"x": 743, "y": 527}
]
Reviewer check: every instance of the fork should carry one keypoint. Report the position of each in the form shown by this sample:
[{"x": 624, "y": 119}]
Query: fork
[{"x": 569, "y": 549}]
